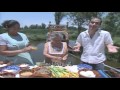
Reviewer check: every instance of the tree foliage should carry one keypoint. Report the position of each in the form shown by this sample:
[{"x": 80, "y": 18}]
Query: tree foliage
[
  {"x": 111, "y": 23},
  {"x": 82, "y": 18},
  {"x": 59, "y": 16}
]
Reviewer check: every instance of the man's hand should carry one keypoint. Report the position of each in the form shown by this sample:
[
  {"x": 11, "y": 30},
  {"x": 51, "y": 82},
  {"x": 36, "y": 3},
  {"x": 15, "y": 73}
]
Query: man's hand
[
  {"x": 76, "y": 48},
  {"x": 112, "y": 49}
]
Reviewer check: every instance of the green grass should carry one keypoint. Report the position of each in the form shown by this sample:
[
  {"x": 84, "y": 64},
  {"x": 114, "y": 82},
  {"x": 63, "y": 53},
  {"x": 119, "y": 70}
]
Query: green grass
[
  {"x": 112, "y": 63},
  {"x": 116, "y": 40},
  {"x": 36, "y": 34}
]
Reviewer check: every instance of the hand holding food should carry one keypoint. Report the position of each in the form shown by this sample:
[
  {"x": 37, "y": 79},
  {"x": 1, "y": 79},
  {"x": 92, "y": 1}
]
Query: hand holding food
[
  {"x": 29, "y": 48},
  {"x": 34, "y": 48}
]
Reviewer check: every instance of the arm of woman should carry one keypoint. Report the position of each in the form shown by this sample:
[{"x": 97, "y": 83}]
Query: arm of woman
[
  {"x": 46, "y": 54},
  {"x": 65, "y": 51},
  {"x": 5, "y": 51}
]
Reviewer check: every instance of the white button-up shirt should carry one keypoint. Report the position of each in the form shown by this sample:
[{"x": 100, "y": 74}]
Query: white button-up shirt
[{"x": 94, "y": 49}]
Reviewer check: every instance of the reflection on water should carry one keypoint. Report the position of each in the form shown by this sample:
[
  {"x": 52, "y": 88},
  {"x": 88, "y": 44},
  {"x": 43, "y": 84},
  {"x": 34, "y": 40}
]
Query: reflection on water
[{"x": 37, "y": 55}]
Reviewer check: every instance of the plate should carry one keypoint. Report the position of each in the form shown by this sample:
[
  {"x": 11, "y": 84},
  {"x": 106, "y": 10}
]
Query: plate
[
  {"x": 3, "y": 65},
  {"x": 12, "y": 68},
  {"x": 89, "y": 74},
  {"x": 23, "y": 65},
  {"x": 84, "y": 66}
]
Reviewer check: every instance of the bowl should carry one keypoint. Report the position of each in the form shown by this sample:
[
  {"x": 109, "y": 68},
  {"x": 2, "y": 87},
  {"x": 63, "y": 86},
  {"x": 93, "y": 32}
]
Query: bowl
[{"x": 11, "y": 69}]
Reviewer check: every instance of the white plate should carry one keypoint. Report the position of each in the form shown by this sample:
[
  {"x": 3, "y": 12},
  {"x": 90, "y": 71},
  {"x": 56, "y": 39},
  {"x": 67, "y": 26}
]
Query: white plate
[
  {"x": 23, "y": 65},
  {"x": 11, "y": 71},
  {"x": 3, "y": 65}
]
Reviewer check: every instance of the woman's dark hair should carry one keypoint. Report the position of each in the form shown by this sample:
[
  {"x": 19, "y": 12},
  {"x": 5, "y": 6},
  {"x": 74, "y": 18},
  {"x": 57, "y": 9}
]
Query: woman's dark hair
[{"x": 10, "y": 23}]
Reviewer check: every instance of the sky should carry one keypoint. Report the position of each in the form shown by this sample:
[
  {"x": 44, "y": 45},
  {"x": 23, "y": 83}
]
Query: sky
[{"x": 28, "y": 18}]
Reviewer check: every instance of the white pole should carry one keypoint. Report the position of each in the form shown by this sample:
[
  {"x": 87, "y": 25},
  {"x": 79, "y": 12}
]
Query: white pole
[{"x": 112, "y": 68}]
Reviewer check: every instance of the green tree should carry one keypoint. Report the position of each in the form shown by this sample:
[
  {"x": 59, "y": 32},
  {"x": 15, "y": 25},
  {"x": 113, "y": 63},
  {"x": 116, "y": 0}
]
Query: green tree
[
  {"x": 59, "y": 16},
  {"x": 43, "y": 26},
  {"x": 0, "y": 26},
  {"x": 82, "y": 18},
  {"x": 111, "y": 23},
  {"x": 25, "y": 27}
]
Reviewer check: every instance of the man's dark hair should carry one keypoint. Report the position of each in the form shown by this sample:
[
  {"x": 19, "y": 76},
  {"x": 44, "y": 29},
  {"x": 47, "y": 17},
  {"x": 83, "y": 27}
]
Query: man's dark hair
[{"x": 97, "y": 18}]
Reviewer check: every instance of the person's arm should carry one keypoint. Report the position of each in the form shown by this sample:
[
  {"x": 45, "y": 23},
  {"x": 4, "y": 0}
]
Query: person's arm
[
  {"x": 109, "y": 44},
  {"x": 65, "y": 51},
  {"x": 45, "y": 52},
  {"x": 78, "y": 43},
  {"x": 6, "y": 52},
  {"x": 76, "y": 48}
]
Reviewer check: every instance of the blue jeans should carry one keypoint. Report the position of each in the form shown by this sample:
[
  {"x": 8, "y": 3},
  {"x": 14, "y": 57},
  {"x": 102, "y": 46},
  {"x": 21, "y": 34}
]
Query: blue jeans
[{"x": 99, "y": 66}]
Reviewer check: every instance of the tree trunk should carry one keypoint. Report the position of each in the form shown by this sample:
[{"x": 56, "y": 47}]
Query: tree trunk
[{"x": 79, "y": 29}]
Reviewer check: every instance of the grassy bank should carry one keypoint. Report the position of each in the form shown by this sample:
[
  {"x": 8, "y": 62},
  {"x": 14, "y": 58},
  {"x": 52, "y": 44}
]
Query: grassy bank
[{"x": 36, "y": 34}]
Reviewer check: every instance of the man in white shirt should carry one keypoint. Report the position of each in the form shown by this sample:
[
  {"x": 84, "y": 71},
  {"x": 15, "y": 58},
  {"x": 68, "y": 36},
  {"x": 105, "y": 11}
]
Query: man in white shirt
[{"x": 94, "y": 41}]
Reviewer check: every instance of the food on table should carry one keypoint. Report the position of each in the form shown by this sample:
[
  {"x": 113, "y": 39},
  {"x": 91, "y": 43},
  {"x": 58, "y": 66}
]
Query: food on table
[
  {"x": 23, "y": 65},
  {"x": 5, "y": 63},
  {"x": 7, "y": 75},
  {"x": 87, "y": 73},
  {"x": 42, "y": 72},
  {"x": 61, "y": 72},
  {"x": 25, "y": 73},
  {"x": 73, "y": 68}
]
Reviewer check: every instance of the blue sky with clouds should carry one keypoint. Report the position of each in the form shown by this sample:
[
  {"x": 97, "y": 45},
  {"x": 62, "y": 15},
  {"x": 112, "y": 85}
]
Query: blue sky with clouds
[{"x": 28, "y": 18}]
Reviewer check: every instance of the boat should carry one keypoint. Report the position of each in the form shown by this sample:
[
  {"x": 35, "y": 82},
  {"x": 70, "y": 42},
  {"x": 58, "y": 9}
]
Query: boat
[{"x": 111, "y": 73}]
